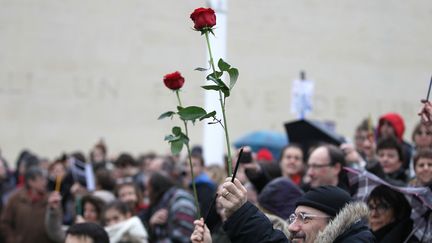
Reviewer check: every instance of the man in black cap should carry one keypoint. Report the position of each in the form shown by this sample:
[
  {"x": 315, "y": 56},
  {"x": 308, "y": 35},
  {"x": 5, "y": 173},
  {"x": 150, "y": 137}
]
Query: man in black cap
[{"x": 324, "y": 214}]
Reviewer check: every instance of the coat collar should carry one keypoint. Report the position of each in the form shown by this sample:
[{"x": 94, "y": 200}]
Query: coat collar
[{"x": 349, "y": 215}]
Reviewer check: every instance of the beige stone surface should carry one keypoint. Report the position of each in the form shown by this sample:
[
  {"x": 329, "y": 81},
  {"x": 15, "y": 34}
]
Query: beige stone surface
[{"x": 74, "y": 71}]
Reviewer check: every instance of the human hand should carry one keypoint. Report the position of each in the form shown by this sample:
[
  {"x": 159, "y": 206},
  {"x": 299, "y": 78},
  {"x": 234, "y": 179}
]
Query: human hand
[
  {"x": 201, "y": 233},
  {"x": 77, "y": 190},
  {"x": 159, "y": 217},
  {"x": 232, "y": 196},
  {"x": 79, "y": 219},
  {"x": 253, "y": 166},
  {"x": 426, "y": 112},
  {"x": 54, "y": 200}
]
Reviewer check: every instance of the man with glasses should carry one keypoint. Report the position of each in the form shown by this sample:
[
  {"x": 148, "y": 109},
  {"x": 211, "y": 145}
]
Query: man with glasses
[
  {"x": 324, "y": 214},
  {"x": 325, "y": 165}
]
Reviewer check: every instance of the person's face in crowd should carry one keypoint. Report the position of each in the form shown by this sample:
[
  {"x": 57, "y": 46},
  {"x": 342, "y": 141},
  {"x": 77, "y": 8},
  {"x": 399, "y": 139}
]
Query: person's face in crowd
[
  {"x": 423, "y": 170},
  {"x": 369, "y": 146},
  {"x": 292, "y": 161},
  {"x": 90, "y": 213},
  {"x": 126, "y": 170},
  {"x": 359, "y": 139},
  {"x": 154, "y": 165},
  {"x": 380, "y": 214},
  {"x": 389, "y": 160},
  {"x": 58, "y": 170},
  {"x": 44, "y": 164},
  {"x": 197, "y": 167},
  {"x": 423, "y": 137},
  {"x": 320, "y": 170},
  {"x": 305, "y": 231},
  {"x": 386, "y": 130},
  {"x": 22, "y": 168},
  {"x": 78, "y": 239},
  {"x": 38, "y": 184},
  {"x": 3, "y": 172},
  {"x": 98, "y": 155},
  {"x": 128, "y": 195},
  {"x": 113, "y": 216}
]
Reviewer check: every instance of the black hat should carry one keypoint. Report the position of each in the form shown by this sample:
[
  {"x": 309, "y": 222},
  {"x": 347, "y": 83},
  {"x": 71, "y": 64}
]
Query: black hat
[{"x": 328, "y": 199}]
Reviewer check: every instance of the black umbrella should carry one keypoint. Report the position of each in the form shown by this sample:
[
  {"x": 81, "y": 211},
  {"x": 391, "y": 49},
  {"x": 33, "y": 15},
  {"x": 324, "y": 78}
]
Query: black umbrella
[{"x": 311, "y": 133}]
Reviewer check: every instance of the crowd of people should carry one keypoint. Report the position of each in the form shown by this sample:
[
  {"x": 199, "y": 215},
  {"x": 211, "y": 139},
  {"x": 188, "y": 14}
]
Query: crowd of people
[{"x": 302, "y": 196}]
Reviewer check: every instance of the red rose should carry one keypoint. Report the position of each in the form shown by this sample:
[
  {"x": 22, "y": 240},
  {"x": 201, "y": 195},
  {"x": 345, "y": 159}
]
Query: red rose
[
  {"x": 174, "y": 80},
  {"x": 203, "y": 18}
]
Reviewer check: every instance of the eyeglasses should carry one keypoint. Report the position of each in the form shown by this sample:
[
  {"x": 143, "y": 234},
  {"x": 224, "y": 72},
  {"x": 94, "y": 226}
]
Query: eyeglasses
[
  {"x": 419, "y": 132},
  {"x": 380, "y": 208},
  {"x": 293, "y": 157},
  {"x": 305, "y": 217},
  {"x": 316, "y": 166}
]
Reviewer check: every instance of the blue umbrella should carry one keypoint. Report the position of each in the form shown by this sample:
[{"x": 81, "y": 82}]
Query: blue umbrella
[{"x": 273, "y": 141}]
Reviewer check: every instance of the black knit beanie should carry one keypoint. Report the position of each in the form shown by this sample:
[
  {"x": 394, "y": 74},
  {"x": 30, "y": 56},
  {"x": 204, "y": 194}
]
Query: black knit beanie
[{"x": 328, "y": 199}]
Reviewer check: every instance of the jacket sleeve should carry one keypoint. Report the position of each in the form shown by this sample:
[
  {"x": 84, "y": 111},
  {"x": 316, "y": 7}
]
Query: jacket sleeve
[
  {"x": 53, "y": 225},
  {"x": 258, "y": 179},
  {"x": 248, "y": 224},
  {"x": 180, "y": 220},
  {"x": 7, "y": 222}
]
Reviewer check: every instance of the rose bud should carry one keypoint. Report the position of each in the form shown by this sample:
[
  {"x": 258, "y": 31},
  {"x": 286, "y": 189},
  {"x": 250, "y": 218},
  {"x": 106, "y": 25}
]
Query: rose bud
[
  {"x": 174, "y": 80},
  {"x": 203, "y": 18}
]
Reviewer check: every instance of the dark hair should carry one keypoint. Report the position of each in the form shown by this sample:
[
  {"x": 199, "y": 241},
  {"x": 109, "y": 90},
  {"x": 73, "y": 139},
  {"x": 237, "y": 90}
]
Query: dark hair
[
  {"x": 159, "y": 184},
  {"x": 105, "y": 180},
  {"x": 120, "y": 206},
  {"x": 291, "y": 145},
  {"x": 79, "y": 156},
  {"x": 124, "y": 160},
  {"x": 395, "y": 199},
  {"x": 200, "y": 158},
  {"x": 417, "y": 128},
  {"x": 91, "y": 230},
  {"x": 60, "y": 162},
  {"x": 423, "y": 153},
  {"x": 336, "y": 155},
  {"x": 101, "y": 145},
  {"x": 390, "y": 143},
  {"x": 32, "y": 173},
  {"x": 363, "y": 126},
  {"x": 96, "y": 202}
]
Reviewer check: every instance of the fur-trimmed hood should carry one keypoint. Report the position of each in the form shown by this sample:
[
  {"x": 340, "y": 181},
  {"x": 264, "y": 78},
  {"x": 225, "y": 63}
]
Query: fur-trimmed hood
[{"x": 351, "y": 214}]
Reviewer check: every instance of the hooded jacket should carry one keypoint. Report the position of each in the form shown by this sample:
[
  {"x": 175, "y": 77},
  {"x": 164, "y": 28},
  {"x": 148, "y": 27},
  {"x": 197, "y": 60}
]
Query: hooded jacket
[
  {"x": 248, "y": 224},
  {"x": 130, "y": 230},
  {"x": 398, "y": 125},
  {"x": 396, "y": 122}
]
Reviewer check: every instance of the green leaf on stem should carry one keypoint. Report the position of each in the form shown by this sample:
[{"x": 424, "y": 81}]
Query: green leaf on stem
[
  {"x": 184, "y": 138},
  {"x": 211, "y": 87},
  {"x": 176, "y": 131},
  {"x": 191, "y": 113},
  {"x": 233, "y": 74},
  {"x": 176, "y": 147},
  {"x": 223, "y": 66},
  {"x": 208, "y": 115},
  {"x": 166, "y": 114},
  {"x": 170, "y": 138},
  {"x": 201, "y": 69},
  {"x": 179, "y": 108}
]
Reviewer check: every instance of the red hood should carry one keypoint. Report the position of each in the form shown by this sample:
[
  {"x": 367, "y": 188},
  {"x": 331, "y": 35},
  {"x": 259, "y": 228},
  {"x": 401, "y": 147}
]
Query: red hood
[{"x": 396, "y": 122}]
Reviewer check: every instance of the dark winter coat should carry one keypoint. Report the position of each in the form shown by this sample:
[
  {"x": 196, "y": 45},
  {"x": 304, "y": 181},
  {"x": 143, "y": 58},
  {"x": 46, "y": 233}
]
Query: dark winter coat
[{"x": 248, "y": 224}]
